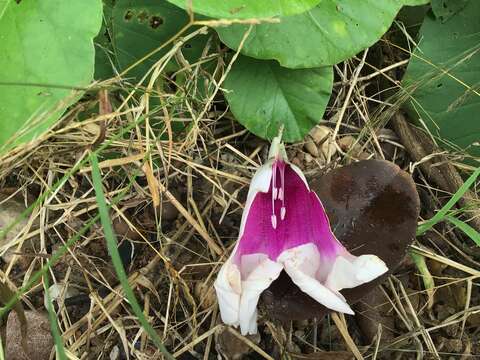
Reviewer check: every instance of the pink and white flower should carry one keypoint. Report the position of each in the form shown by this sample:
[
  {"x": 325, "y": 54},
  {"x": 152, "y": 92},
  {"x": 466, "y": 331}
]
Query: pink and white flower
[{"x": 284, "y": 227}]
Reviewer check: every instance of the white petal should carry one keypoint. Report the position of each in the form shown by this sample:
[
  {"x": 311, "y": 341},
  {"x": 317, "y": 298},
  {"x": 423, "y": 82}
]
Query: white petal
[
  {"x": 229, "y": 287},
  {"x": 301, "y": 264},
  {"x": 350, "y": 271},
  {"x": 260, "y": 183},
  {"x": 258, "y": 272}
]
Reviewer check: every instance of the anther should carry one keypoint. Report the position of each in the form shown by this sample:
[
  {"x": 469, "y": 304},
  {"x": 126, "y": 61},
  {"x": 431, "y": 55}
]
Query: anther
[
  {"x": 274, "y": 221},
  {"x": 283, "y": 211}
]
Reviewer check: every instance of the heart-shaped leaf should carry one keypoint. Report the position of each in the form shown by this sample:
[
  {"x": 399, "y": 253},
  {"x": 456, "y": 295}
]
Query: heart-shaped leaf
[
  {"x": 329, "y": 33},
  {"x": 263, "y": 95},
  {"x": 415, "y": 2},
  {"x": 105, "y": 59},
  {"x": 243, "y": 9},
  {"x": 445, "y": 9},
  {"x": 373, "y": 208},
  {"x": 443, "y": 78},
  {"x": 46, "y": 50},
  {"x": 142, "y": 27}
]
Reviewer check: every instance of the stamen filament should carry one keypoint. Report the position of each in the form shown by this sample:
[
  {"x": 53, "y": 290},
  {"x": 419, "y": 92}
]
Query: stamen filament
[
  {"x": 274, "y": 193},
  {"x": 282, "y": 191},
  {"x": 278, "y": 192}
]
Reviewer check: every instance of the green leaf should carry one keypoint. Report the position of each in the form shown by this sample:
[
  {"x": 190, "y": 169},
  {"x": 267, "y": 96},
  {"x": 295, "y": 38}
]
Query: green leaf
[
  {"x": 105, "y": 59},
  {"x": 47, "y": 50},
  {"x": 329, "y": 33},
  {"x": 415, "y": 2},
  {"x": 263, "y": 95},
  {"x": 443, "y": 79},
  {"x": 140, "y": 27},
  {"x": 244, "y": 9},
  {"x": 445, "y": 9}
]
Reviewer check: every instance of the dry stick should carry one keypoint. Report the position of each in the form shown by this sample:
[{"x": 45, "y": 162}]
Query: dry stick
[
  {"x": 347, "y": 100},
  {"x": 197, "y": 340},
  {"x": 206, "y": 236},
  {"x": 342, "y": 327},
  {"x": 209, "y": 339},
  {"x": 219, "y": 83},
  {"x": 419, "y": 146},
  {"x": 377, "y": 72},
  {"x": 249, "y": 343}
]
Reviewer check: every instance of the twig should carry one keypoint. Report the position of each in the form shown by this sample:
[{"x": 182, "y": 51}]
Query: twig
[
  {"x": 346, "y": 101},
  {"x": 342, "y": 327},
  {"x": 420, "y": 147}
]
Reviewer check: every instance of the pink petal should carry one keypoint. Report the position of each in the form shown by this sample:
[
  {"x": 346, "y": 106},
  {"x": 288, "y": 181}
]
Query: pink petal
[
  {"x": 260, "y": 183},
  {"x": 304, "y": 221}
]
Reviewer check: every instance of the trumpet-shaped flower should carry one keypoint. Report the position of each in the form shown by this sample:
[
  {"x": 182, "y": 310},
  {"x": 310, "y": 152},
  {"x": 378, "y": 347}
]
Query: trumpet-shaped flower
[{"x": 284, "y": 227}]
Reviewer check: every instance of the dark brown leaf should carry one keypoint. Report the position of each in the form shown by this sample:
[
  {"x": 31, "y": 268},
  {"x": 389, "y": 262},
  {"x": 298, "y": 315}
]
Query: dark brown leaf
[
  {"x": 373, "y": 207},
  {"x": 39, "y": 339},
  {"x": 5, "y": 295}
]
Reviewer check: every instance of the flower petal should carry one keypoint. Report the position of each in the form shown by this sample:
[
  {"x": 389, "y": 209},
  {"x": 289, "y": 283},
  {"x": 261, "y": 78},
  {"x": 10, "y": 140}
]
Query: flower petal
[
  {"x": 258, "y": 272},
  {"x": 349, "y": 271},
  {"x": 300, "y": 174},
  {"x": 302, "y": 263},
  {"x": 229, "y": 288},
  {"x": 300, "y": 219},
  {"x": 260, "y": 183}
]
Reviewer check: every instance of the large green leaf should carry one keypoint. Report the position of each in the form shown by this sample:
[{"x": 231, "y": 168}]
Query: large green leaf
[
  {"x": 105, "y": 60},
  {"x": 444, "y": 78},
  {"x": 263, "y": 95},
  {"x": 329, "y": 33},
  {"x": 140, "y": 27},
  {"x": 415, "y": 2},
  {"x": 243, "y": 9},
  {"x": 445, "y": 9},
  {"x": 46, "y": 49}
]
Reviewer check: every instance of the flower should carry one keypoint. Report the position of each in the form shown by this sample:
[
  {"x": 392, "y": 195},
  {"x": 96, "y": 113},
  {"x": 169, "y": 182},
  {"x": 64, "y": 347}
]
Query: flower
[{"x": 284, "y": 227}]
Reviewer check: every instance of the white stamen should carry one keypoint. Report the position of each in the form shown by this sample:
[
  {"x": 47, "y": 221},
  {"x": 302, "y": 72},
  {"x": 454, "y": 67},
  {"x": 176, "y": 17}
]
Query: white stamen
[
  {"x": 283, "y": 210},
  {"x": 275, "y": 193},
  {"x": 274, "y": 221},
  {"x": 280, "y": 194}
]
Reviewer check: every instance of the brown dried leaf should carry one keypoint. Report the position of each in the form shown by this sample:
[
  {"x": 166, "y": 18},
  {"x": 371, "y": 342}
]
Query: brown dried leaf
[{"x": 373, "y": 207}]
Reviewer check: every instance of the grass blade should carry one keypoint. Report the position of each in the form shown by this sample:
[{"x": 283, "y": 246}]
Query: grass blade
[
  {"x": 116, "y": 260},
  {"x": 467, "y": 229},
  {"x": 57, "y": 337},
  {"x": 427, "y": 277},
  {"x": 442, "y": 213}
]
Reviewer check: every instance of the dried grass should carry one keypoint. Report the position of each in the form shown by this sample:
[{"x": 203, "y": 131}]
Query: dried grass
[{"x": 202, "y": 174}]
